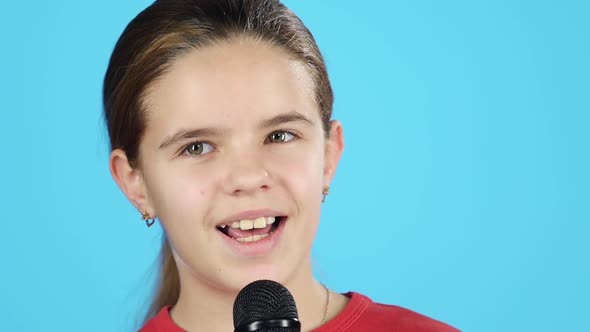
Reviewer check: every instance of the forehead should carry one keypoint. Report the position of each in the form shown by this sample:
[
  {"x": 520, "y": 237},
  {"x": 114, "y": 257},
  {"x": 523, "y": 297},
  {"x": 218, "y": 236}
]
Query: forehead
[{"x": 235, "y": 82}]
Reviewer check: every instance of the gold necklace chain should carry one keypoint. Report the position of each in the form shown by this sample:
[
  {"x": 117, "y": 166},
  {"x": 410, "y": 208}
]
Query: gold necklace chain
[{"x": 327, "y": 305}]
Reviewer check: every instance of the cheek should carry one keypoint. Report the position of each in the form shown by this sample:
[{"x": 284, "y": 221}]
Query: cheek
[
  {"x": 180, "y": 194},
  {"x": 300, "y": 168}
]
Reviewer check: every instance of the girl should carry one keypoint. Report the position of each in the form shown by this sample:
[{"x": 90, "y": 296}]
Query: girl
[{"x": 219, "y": 118}]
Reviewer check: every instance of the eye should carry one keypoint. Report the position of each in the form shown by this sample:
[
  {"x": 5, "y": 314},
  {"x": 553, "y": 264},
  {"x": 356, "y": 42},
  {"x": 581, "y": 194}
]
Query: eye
[
  {"x": 198, "y": 148},
  {"x": 281, "y": 136}
]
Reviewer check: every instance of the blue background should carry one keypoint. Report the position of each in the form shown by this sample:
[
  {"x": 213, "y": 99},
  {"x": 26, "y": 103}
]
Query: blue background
[{"x": 463, "y": 192}]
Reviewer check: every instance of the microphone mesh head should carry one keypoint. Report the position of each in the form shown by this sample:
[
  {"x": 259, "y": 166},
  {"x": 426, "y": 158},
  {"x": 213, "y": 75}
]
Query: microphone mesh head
[{"x": 264, "y": 300}]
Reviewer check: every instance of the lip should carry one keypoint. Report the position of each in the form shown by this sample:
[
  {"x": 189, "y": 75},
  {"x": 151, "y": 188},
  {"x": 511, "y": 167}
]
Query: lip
[
  {"x": 251, "y": 214},
  {"x": 257, "y": 248}
]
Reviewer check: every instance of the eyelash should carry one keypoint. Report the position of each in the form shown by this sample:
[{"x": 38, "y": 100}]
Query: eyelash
[{"x": 184, "y": 151}]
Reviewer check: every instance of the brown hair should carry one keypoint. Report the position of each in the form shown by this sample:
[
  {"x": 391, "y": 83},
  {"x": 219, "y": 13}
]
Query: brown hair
[{"x": 168, "y": 29}]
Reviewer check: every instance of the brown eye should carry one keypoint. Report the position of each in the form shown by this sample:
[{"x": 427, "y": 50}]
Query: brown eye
[
  {"x": 195, "y": 149},
  {"x": 280, "y": 137},
  {"x": 198, "y": 148}
]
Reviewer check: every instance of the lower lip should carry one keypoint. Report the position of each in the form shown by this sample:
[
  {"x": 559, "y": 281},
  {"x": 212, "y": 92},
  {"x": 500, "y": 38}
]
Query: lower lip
[{"x": 256, "y": 248}]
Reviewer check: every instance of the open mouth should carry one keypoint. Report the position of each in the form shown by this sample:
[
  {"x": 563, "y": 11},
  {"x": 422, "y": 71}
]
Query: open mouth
[{"x": 252, "y": 230}]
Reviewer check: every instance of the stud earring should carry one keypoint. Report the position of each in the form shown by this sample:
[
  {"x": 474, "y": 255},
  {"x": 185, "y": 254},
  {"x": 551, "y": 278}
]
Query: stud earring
[
  {"x": 325, "y": 193},
  {"x": 149, "y": 221}
]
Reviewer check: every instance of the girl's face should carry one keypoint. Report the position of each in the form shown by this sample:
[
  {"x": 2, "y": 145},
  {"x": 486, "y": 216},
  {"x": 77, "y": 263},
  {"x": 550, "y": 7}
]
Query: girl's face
[{"x": 234, "y": 138}]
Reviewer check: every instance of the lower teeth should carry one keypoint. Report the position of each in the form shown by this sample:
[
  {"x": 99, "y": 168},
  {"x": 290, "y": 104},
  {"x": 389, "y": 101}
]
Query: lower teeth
[{"x": 252, "y": 238}]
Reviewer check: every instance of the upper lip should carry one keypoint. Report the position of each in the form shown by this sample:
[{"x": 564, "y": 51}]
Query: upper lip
[{"x": 250, "y": 214}]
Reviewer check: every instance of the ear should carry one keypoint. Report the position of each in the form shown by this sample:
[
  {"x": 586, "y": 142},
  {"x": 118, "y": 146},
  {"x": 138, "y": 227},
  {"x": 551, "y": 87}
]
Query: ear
[
  {"x": 130, "y": 180},
  {"x": 333, "y": 151}
]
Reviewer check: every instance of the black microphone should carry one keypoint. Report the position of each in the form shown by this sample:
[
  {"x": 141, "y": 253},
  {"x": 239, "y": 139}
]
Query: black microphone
[{"x": 265, "y": 306}]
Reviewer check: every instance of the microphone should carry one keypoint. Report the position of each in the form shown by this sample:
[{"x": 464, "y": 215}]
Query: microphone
[{"x": 265, "y": 306}]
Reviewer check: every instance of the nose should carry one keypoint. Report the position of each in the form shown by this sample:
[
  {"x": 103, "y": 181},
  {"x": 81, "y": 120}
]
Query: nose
[{"x": 246, "y": 175}]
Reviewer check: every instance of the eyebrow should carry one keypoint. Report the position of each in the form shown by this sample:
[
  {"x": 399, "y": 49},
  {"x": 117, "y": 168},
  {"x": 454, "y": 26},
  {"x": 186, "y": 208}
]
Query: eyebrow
[
  {"x": 280, "y": 119},
  {"x": 184, "y": 134}
]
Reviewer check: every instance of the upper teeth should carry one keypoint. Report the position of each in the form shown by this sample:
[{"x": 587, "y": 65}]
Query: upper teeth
[{"x": 247, "y": 224}]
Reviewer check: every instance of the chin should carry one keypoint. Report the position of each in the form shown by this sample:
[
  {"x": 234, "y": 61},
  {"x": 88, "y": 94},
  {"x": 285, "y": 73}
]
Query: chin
[{"x": 242, "y": 277}]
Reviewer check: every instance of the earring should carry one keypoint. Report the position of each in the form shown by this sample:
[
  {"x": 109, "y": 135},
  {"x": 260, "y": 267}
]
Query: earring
[
  {"x": 149, "y": 221},
  {"x": 325, "y": 193}
]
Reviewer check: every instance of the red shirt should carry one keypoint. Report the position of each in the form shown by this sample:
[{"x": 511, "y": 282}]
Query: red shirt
[{"x": 360, "y": 315}]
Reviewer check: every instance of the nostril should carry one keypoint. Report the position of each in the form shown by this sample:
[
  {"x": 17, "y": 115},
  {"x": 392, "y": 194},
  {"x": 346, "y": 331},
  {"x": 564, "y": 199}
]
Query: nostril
[{"x": 243, "y": 178}]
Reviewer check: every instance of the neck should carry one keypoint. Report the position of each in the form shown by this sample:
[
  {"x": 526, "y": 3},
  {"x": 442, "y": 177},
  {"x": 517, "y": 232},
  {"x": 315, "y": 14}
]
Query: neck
[{"x": 201, "y": 307}]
